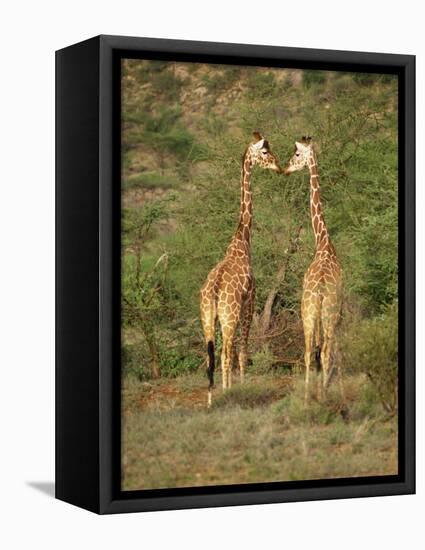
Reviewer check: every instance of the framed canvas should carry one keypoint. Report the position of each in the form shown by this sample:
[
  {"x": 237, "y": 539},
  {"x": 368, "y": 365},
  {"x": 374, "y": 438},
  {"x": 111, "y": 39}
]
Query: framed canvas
[{"x": 228, "y": 330}]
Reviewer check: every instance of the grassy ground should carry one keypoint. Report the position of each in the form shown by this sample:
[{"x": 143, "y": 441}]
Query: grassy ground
[{"x": 257, "y": 432}]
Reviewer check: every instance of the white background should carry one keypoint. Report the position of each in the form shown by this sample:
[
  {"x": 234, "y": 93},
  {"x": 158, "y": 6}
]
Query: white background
[{"x": 29, "y": 34}]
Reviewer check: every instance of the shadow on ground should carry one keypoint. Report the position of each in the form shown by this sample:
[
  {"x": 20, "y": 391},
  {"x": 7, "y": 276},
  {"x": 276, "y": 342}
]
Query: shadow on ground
[{"x": 46, "y": 487}]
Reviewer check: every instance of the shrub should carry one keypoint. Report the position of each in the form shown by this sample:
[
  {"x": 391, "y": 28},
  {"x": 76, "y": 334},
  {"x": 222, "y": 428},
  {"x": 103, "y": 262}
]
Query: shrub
[
  {"x": 150, "y": 180},
  {"x": 262, "y": 360},
  {"x": 371, "y": 346},
  {"x": 177, "y": 361},
  {"x": 366, "y": 402},
  {"x": 218, "y": 82},
  {"x": 261, "y": 84},
  {"x": 313, "y": 77},
  {"x": 292, "y": 408},
  {"x": 168, "y": 84},
  {"x": 364, "y": 79},
  {"x": 135, "y": 362}
]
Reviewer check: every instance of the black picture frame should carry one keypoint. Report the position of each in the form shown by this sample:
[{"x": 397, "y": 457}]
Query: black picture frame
[{"x": 88, "y": 274}]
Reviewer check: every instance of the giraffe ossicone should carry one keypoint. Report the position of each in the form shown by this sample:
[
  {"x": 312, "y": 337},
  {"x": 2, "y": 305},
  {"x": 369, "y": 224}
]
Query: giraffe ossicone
[{"x": 229, "y": 290}]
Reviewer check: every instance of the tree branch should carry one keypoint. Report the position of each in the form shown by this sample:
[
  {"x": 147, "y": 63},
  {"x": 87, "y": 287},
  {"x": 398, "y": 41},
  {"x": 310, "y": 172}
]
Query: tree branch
[{"x": 280, "y": 278}]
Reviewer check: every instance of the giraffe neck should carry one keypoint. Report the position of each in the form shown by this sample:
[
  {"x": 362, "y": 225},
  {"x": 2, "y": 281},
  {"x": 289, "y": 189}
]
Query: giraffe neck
[
  {"x": 243, "y": 232},
  {"x": 320, "y": 230}
]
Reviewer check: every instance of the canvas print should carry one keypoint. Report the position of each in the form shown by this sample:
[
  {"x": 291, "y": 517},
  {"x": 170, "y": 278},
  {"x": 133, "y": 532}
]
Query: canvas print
[{"x": 259, "y": 274}]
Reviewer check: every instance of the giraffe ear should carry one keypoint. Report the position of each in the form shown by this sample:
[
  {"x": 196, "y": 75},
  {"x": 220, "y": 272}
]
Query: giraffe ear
[
  {"x": 257, "y": 136},
  {"x": 299, "y": 146}
]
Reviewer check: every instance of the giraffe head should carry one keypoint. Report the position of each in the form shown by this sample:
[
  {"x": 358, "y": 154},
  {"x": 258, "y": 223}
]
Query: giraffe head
[
  {"x": 259, "y": 154},
  {"x": 301, "y": 156}
]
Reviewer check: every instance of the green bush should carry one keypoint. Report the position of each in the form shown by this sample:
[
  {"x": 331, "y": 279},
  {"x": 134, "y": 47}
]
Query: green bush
[
  {"x": 151, "y": 180},
  {"x": 135, "y": 361},
  {"x": 177, "y": 361},
  {"x": 221, "y": 81},
  {"x": 364, "y": 79},
  {"x": 172, "y": 362},
  {"x": 366, "y": 402},
  {"x": 262, "y": 360},
  {"x": 371, "y": 346},
  {"x": 261, "y": 84},
  {"x": 292, "y": 408},
  {"x": 167, "y": 84},
  {"x": 313, "y": 77}
]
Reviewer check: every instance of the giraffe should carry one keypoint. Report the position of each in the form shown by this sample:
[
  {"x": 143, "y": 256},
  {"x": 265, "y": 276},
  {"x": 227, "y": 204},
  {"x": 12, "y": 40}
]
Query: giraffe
[
  {"x": 229, "y": 290},
  {"x": 322, "y": 287}
]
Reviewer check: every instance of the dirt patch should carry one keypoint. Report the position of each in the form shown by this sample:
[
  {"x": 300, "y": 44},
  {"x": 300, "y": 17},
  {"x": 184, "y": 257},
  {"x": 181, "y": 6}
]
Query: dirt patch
[{"x": 188, "y": 393}]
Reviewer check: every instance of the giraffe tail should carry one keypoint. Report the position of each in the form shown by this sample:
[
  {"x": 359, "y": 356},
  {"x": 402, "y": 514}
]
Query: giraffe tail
[
  {"x": 210, "y": 371},
  {"x": 318, "y": 351},
  {"x": 317, "y": 358}
]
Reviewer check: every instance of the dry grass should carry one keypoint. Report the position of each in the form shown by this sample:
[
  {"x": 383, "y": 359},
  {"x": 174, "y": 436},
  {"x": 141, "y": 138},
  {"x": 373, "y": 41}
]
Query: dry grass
[{"x": 258, "y": 432}]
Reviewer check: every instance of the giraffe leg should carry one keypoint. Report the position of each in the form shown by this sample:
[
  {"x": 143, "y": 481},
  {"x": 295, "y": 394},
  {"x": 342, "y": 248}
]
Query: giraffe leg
[
  {"x": 341, "y": 382},
  {"x": 308, "y": 338},
  {"x": 310, "y": 308},
  {"x": 223, "y": 362},
  {"x": 339, "y": 372},
  {"x": 246, "y": 319},
  {"x": 330, "y": 315},
  {"x": 229, "y": 361},
  {"x": 208, "y": 317},
  {"x": 328, "y": 344},
  {"x": 228, "y": 311},
  {"x": 325, "y": 361},
  {"x": 227, "y": 355},
  {"x": 229, "y": 368}
]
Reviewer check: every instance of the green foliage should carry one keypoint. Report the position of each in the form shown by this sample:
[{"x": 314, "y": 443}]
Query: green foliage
[
  {"x": 182, "y": 153},
  {"x": 379, "y": 284},
  {"x": 262, "y": 360},
  {"x": 370, "y": 79},
  {"x": 151, "y": 180},
  {"x": 143, "y": 278},
  {"x": 159, "y": 76},
  {"x": 167, "y": 84},
  {"x": 164, "y": 133},
  {"x": 140, "y": 224},
  {"x": 292, "y": 408},
  {"x": 260, "y": 84},
  {"x": 372, "y": 348},
  {"x": 222, "y": 80},
  {"x": 135, "y": 361},
  {"x": 177, "y": 361},
  {"x": 313, "y": 77}
]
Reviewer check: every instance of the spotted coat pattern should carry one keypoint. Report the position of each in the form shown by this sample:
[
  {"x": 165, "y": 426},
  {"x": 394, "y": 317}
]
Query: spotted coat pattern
[
  {"x": 322, "y": 286},
  {"x": 229, "y": 290}
]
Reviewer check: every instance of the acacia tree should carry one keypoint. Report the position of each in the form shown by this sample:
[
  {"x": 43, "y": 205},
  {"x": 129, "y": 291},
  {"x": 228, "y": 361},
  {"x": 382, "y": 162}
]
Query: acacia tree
[{"x": 143, "y": 281}]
